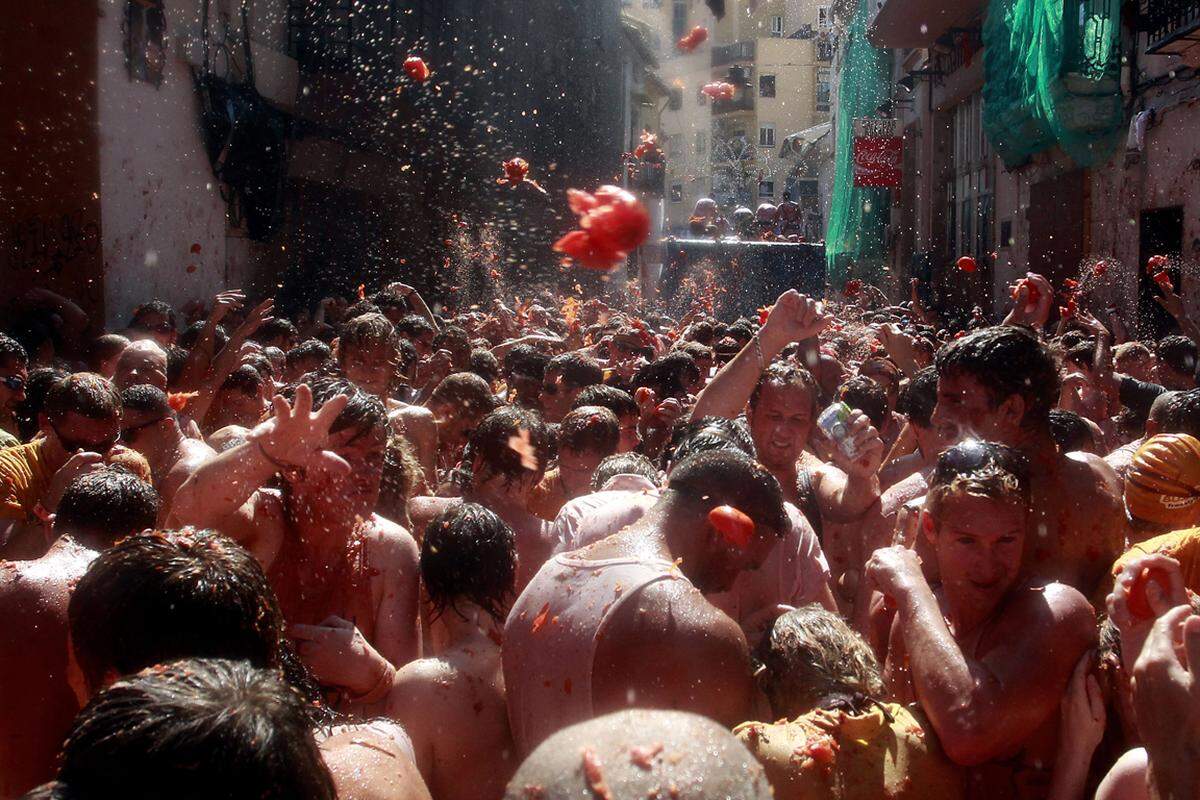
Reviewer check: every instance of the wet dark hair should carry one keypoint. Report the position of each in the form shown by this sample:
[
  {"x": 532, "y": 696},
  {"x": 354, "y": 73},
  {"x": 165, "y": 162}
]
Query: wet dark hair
[
  {"x": 195, "y": 730},
  {"x": 245, "y": 379},
  {"x": 309, "y": 350},
  {"x": 668, "y": 376},
  {"x": 452, "y": 338},
  {"x": 191, "y": 334},
  {"x": 413, "y": 327},
  {"x": 589, "y": 429},
  {"x": 152, "y": 307},
  {"x": 867, "y": 396},
  {"x": 786, "y": 376},
  {"x": 525, "y": 359},
  {"x": 469, "y": 553},
  {"x": 702, "y": 332},
  {"x": 696, "y": 350},
  {"x": 1069, "y": 430},
  {"x": 728, "y": 477},
  {"x": 979, "y": 468},
  {"x": 466, "y": 392},
  {"x": 106, "y": 504},
  {"x": 176, "y": 362},
  {"x": 1182, "y": 414},
  {"x": 623, "y": 464},
  {"x": 36, "y": 389},
  {"x": 709, "y": 434},
  {"x": 1082, "y": 354},
  {"x": 11, "y": 350},
  {"x": 491, "y": 443},
  {"x": 485, "y": 365},
  {"x": 1006, "y": 360},
  {"x": 1177, "y": 352},
  {"x": 385, "y": 300},
  {"x": 364, "y": 411},
  {"x": 577, "y": 369},
  {"x": 163, "y": 595},
  {"x": 83, "y": 393},
  {"x": 146, "y": 399},
  {"x": 275, "y": 329},
  {"x": 261, "y": 363},
  {"x": 618, "y": 401},
  {"x": 918, "y": 398},
  {"x": 366, "y": 331}
]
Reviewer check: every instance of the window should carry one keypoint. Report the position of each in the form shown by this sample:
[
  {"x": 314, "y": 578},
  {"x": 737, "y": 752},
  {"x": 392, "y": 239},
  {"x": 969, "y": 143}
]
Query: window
[
  {"x": 970, "y": 191},
  {"x": 823, "y": 88},
  {"x": 766, "y": 190},
  {"x": 701, "y": 142},
  {"x": 766, "y": 135},
  {"x": 679, "y": 18},
  {"x": 676, "y": 192},
  {"x": 823, "y": 18},
  {"x": 766, "y": 85},
  {"x": 675, "y": 145},
  {"x": 777, "y": 26}
]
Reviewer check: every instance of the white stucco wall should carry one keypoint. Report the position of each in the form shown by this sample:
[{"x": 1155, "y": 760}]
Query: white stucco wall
[{"x": 158, "y": 196}]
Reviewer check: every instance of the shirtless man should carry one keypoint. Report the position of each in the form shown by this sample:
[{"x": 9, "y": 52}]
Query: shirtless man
[
  {"x": 988, "y": 654},
  {"x": 508, "y": 458},
  {"x": 635, "y": 754},
  {"x": 624, "y": 623},
  {"x": 999, "y": 384},
  {"x": 586, "y": 436},
  {"x": 36, "y": 703},
  {"x": 453, "y": 706},
  {"x": 150, "y": 426},
  {"x": 14, "y": 374},
  {"x": 346, "y": 578},
  {"x": 366, "y": 354},
  {"x": 164, "y": 595},
  {"x": 458, "y": 404},
  {"x": 781, "y": 406}
]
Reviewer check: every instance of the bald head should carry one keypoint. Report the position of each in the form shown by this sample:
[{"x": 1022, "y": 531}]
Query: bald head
[
  {"x": 638, "y": 754},
  {"x": 141, "y": 362}
]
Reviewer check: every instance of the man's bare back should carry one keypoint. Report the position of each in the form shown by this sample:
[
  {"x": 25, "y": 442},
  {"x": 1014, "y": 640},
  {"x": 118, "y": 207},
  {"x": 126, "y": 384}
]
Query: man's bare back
[
  {"x": 36, "y": 702},
  {"x": 454, "y": 709}
]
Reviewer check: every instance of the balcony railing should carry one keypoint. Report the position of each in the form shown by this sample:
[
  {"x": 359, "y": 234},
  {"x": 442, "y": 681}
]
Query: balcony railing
[
  {"x": 731, "y": 53},
  {"x": 1173, "y": 26}
]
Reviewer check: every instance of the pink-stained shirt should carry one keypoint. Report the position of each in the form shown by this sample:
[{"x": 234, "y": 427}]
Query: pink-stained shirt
[
  {"x": 621, "y": 502},
  {"x": 794, "y": 574}
]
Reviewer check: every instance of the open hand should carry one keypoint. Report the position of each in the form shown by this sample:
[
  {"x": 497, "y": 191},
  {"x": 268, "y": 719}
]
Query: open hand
[{"x": 297, "y": 437}]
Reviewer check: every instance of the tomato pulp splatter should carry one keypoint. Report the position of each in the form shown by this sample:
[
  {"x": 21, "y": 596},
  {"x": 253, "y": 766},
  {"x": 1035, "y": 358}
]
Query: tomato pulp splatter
[
  {"x": 692, "y": 39},
  {"x": 416, "y": 68},
  {"x": 612, "y": 223},
  {"x": 1139, "y": 605},
  {"x": 719, "y": 90},
  {"x": 734, "y": 526}
]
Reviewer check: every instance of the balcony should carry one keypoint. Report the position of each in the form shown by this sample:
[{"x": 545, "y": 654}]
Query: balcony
[
  {"x": 918, "y": 23},
  {"x": 1172, "y": 27},
  {"x": 732, "y": 53},
  {"x": 742, "y": 101}
]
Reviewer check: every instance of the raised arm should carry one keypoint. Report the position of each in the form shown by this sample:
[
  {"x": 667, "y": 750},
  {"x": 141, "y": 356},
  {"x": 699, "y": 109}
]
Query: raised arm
[
  {"x": 984, "y": 708},
  {"x": 418, "y": 302},
  {"x": 201, "y": 355},
  {"x": 294, "y": 438},
  {"x": 227, "y": 360},
  {"x": 794, "y": 318}
]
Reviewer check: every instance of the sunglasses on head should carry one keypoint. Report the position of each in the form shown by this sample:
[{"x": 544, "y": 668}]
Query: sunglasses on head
[
  {"x": 14, "y": 382},
  {"x": 974, "y": 455}
]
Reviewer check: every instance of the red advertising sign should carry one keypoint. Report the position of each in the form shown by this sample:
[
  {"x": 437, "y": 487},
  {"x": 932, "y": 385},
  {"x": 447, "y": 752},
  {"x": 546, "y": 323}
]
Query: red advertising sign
[{"x": 877, "y": 160}]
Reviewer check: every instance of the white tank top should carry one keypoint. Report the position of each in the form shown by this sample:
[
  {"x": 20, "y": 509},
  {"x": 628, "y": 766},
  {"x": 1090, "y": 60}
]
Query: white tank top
[{"x": 550, "y": 638}]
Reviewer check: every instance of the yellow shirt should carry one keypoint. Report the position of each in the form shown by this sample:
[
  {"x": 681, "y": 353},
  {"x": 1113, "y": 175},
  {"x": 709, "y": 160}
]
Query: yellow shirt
[
  {"x": 23, "y": 480},
  {"x": 832, "y": 755},
  {"x": 1183, "y": 546}
]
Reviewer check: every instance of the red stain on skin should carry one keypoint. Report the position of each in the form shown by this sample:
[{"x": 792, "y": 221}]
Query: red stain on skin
[
  {"x": 540, "y": 620},
  {"x": 643, "y": 757},
  {"x": 593, "y": 773}
]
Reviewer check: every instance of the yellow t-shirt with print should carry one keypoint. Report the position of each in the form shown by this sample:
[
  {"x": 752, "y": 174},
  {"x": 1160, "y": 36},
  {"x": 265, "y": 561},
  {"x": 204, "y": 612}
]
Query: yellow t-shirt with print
[
  {"x": 23, "y": 480},
  {"x": 832, "y": 755}
]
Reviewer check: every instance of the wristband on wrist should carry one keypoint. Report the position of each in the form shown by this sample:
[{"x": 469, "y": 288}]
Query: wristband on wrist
[{"x": 272, "y": 460}]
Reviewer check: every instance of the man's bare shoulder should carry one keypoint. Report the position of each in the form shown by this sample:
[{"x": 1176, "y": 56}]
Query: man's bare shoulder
[
  {"x": 673, "y": 612},
  {"x": 1049, "y": 611},
  {"x": 1092, "y": 475},
  {"x": 422, "y": 510},
  {"x": 409, "y": 413},
  {"x": 390, "y": 545}
]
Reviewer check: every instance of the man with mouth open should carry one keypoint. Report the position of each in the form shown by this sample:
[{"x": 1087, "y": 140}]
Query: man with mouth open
[{"x": 986, "y": 653}]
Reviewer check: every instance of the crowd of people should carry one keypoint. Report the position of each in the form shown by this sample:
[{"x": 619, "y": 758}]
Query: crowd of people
[{"x": 558, "y": 549}]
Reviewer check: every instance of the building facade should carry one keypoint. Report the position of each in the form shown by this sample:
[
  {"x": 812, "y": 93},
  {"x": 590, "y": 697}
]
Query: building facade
[
  {"x": 778, "y": 55},
  {"x": 1110, "y": 176},
  {"x": 120, "y": 182}
]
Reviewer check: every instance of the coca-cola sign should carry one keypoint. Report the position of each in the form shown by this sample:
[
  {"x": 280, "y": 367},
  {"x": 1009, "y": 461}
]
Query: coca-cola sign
[{"x": 877, "y": 160}]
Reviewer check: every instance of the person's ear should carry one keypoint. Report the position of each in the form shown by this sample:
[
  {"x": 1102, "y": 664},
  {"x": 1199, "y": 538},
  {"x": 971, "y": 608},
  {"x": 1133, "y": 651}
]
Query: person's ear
[
  {"x": 1012, "y": 411},
  {"x": 927, "y": 526}
]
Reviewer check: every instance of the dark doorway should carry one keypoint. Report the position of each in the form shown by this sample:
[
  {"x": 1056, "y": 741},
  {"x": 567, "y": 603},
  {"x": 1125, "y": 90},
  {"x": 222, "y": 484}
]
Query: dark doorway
[
  {"x": 1161, "y": 233},
  {"x": 1056, "y": 227}
]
